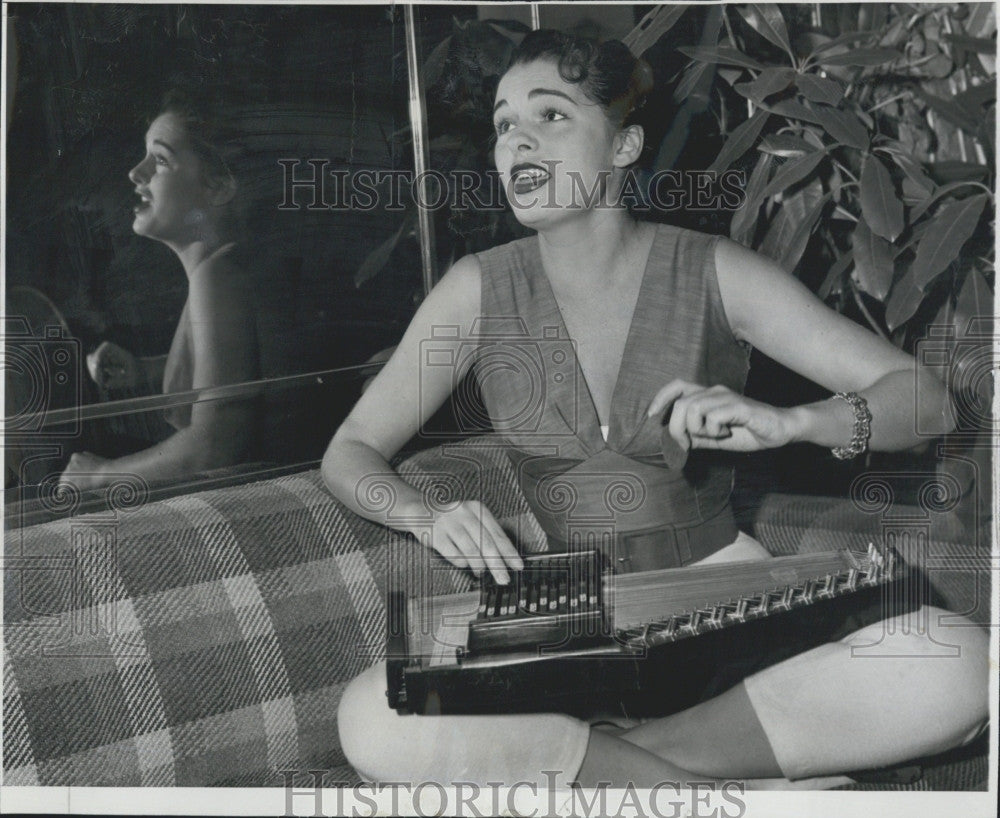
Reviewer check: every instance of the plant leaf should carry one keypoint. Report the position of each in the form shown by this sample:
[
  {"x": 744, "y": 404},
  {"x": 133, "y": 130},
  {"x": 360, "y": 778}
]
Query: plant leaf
[
  {"x": 818, "y": 89},
  {"x": 434, "y": 64},
  {"x": 842, "y": 126},
  {"x": 792, "y": 109},
  {"x": 693, "y": 75},
  {"x": 975, "y": 305},
  {"x": 785, "y": 145},
  {"x": 651, "y": 27},
  {"x": 376, "y": 260},
  {"x": 913, "y": 172},
  {"x": 903, "y": 301},
  {"x": 793, "y": 211},
  {"x": 800, "y": 237},
  {"x": 723, "y": 55},
  {"x": 740, "y": 141},
  {"x": 977, "y": 96},
  {"x": 970, "y": 374},
  {"x": 769, "y": 82},
  {"x": 793, "y": 172},
  {"x": 844, "y": 39},
  {"x": 939, "y": 66},
  {"x": 952, "y": 112},
  {"x": 953, "y": 226},
  {"x": 836, "y": 271},
  {"x": 881, "y": 207},
  {"x": 953, "y": 170},
  {"x": 873, "y": 261},
  {"x": 861, "y": 57},
  {"x": 511, "y": 34},
  {"x": 766, "y": 20},
  {"x": 977, "y": 44},
  {"x": 925, "y": 205},
  {"x": 744, "y": 222}
]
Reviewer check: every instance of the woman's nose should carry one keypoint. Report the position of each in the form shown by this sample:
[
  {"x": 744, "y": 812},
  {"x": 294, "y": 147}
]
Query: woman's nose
[
  {"x": 525, "y": 140},
  {"x": 138, "y": 174}
]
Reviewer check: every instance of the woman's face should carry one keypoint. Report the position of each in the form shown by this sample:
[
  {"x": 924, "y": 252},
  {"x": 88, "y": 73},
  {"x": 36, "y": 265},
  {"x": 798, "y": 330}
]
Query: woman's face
[
  {"x": 169, "y": 181},
  {"x": 555, "y": 146}
]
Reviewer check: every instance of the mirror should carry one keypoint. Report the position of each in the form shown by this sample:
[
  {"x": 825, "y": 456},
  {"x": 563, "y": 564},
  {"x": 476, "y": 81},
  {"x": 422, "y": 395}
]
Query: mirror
[{"x": 115, "y": 338}]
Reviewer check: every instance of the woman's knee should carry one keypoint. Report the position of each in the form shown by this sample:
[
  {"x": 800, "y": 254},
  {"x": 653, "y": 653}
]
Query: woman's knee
[
  {"x": 965, "y": 675},
  {"x": 365, "y": 722},
  {"x": 949, "y": 655}
]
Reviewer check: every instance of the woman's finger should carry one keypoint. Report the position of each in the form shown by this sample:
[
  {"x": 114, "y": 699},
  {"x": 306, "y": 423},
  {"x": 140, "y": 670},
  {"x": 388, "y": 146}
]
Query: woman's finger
[
  {"x": 719, "y": 419},
  {"x": 669, "y": 393},
  {"x": 446, "y": 547},
  {"x": 493, "y": 558},
  {"x": 708, "y": 413},
  {"x": 501, "y": 541}
]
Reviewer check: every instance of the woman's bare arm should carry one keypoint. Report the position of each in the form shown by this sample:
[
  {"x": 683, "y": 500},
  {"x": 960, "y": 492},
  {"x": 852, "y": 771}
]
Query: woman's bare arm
[
  {"x": 394, "y": 407},
  {"x": 400, "y": 399},
  {"x": 224, "y": 342},
  {"x": 778, "y": 315}
]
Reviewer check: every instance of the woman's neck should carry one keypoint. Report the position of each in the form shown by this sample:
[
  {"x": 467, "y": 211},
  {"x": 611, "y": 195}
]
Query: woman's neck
[
  {"x": 192, "y": 254},
  {"x": 589, "y": 251}
]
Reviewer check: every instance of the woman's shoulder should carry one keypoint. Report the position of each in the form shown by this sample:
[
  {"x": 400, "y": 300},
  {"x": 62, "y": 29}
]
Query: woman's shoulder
[
  {"x": 457, "y": 292},
  {"x": 223, "y": 275},
  {"x": 513, "y": 252},
  {"x": 675, "y": 234}
]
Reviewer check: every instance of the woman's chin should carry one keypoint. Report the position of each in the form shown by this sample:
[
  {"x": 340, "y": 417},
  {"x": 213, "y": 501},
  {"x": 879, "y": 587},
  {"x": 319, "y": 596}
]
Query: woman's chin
[{"x": 140, "y": 224}]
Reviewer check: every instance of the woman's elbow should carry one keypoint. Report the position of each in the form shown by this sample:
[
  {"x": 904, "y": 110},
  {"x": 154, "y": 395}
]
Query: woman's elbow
[
  {"x": 219, "y": 439},
  {"x": 333, "y": 457},
  {"x": 936, "y": 406}
]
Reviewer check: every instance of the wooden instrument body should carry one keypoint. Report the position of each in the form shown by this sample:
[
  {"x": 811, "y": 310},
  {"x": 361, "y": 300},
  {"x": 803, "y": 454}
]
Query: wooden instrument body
[{"x": 642, "y": 667}]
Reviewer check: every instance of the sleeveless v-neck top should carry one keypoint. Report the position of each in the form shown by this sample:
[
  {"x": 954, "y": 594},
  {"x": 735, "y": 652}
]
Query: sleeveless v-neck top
[{"x": 619, "y": 494}]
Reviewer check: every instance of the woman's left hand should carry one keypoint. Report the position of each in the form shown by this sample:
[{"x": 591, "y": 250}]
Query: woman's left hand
[
  {"x": 85, "y": 471},
  {"x": 716, "y": 417}
]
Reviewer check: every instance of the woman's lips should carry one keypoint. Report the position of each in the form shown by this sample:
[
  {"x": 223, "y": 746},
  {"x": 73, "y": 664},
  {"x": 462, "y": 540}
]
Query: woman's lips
[{"x": 527, "y": 178}]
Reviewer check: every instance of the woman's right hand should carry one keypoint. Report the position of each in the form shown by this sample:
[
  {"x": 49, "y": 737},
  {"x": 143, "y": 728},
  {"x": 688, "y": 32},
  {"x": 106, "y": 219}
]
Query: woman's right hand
[
  {"x": 112, "y": 367},
  {"x": 468, "y": 536}
]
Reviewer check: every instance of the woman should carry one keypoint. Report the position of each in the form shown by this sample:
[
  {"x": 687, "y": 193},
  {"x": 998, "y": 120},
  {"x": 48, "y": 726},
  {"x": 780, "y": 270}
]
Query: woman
[
  {"x": 188, "y": 200},
  {"x": 662, "y": 320}
]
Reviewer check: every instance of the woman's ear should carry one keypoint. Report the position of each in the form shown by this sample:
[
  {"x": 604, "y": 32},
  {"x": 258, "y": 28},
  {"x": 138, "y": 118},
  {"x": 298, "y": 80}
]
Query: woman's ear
[
  {"x": 628, "y": 145},
  {"x": 220, "y": 190}
]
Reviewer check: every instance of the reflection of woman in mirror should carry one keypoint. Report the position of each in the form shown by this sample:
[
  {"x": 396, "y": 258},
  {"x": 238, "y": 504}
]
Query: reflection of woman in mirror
[
  {"x": 662, "y": 320},
  {"x": 189, "y": 201}
]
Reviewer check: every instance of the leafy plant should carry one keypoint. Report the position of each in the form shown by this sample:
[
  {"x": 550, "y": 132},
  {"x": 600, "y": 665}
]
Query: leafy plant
[
  {"x": 868, "y": 134},
  {"x": 873, "y": 131}
]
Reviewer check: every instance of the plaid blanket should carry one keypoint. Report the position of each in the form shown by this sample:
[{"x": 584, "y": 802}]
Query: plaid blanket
[{"x": 205, "y": 640}]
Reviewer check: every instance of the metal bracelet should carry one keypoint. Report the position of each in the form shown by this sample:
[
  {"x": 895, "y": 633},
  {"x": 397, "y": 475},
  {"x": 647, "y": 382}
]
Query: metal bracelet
[{"x": 862, "y": 427}]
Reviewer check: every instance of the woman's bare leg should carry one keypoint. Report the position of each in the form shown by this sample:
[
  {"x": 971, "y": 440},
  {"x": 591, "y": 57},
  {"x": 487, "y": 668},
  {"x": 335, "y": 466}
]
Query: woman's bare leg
[
  {"x": 613, "y": 761},
  {"x": 834, "y": 709},
  {"x": 718, "y": 738}
]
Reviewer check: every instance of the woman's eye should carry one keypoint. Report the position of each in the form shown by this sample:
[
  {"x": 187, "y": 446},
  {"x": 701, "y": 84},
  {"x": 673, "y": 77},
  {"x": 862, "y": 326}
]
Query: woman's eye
[
  {"x": 552, "y": 115},
  {"x": 160, "y": 160},
  {"x": 502, "y": 126}
]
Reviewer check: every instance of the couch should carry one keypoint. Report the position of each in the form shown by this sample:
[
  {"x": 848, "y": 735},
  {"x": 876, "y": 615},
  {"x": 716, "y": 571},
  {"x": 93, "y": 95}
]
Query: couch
[{"x": 205, "y": 639}]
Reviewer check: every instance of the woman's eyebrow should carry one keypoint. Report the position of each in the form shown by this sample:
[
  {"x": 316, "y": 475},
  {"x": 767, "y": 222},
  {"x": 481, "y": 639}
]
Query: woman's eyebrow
[
  {"x": 163, "y": 144},
  {"x": 536, "y": 92}
]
